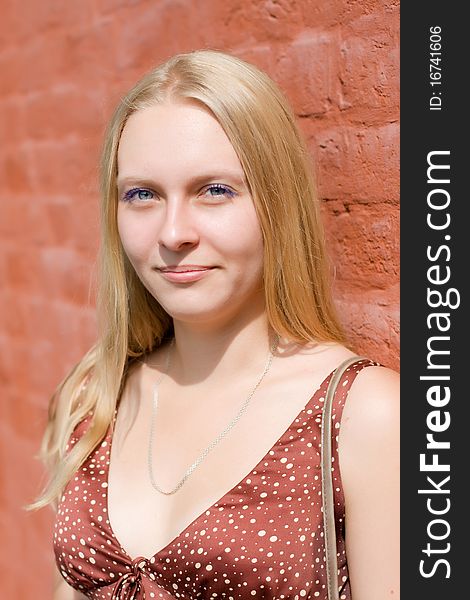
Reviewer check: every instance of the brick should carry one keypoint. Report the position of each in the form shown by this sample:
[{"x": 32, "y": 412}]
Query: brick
[
  {"x": 17, "y": 171},
  {"x": 65, "y": 274},
  {"x": 20, "y": 479},
  {"x": 369, "y": 67},
  {"x": 17, "y": 376},
  {"x": 44, "y": 62},
  {"x": 12, "y": 64},
  {"x": 65, "y": 109},
  {"x": 372, "y": 319},
  {"x": 383, "y": 9},
  {"x": 73, "y": 221},
  {"x": 262, "y": 56},
  {"x": 308, "y": 71},
  {"x": 180, "y": 29},
  {"x": 43, "y": 18},
  {"x": 19, "y": 532},
  {"x": 244, "y": 24},
  {"x": 30, "y": 223},
  {"x": 363, "y": 241},
  {"x": 283, "y": 16},
  {"x": 322, "y": 14},
  {"x": 65, "y": 166},
  {"x": 22, "y": 269},
  {"x": 357, "y": 162},
  {"x": 97, "y": 46},
  {"x": 14, "y": 319},
  {"x": 277, "y": 20},
  {"x": 32, "y": 66},
  {"x": 22, "y": 220},
  {"x": 62, "y": 334},
  {"x": 112, "y": 8},
  {"x": 23, "y": 421},
  {"x": 12, "y": 128}
]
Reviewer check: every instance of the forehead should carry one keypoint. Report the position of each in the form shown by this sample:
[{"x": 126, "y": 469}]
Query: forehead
[{"x": 174, "y": 137}]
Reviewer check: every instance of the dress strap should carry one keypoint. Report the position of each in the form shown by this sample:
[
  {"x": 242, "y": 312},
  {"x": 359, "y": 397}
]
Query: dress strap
[{"x": 333, "y": 504}]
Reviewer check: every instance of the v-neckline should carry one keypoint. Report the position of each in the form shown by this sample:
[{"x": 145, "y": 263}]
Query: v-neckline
[{"x": 164, "y": 549}]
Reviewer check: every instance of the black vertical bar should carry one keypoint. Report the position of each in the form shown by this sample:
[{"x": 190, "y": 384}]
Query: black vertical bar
[{"x": 434, "y": 292}]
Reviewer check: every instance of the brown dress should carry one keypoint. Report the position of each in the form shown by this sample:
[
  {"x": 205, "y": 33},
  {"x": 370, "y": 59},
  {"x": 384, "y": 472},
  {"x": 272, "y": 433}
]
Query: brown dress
[{"x": 262, "y": 539}]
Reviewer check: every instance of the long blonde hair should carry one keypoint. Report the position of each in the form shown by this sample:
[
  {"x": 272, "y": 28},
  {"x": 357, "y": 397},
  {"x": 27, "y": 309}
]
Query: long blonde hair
[{"x": 261, "y": 127}]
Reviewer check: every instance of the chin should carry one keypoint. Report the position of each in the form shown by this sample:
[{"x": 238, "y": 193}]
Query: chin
[
  {"x": 197, "y": 315},
  {"x": 193, "y": 312}
]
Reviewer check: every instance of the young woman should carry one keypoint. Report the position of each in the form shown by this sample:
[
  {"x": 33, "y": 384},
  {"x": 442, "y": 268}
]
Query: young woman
[{"x": 185, "y": 446}]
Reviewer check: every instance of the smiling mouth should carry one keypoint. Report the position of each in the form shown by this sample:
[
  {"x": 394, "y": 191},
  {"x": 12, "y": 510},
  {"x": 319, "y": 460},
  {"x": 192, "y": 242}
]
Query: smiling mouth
[
  {"x": 185, "y": 269},
  {"x": 185, "y": 274}
]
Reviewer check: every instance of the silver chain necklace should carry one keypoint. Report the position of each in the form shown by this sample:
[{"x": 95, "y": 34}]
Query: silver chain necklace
[{"x": 214, "y": 443}]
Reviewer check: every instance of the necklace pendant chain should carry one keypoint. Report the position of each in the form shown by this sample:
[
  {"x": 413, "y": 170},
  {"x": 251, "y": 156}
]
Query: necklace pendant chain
[{"x": 214, "y": 442}]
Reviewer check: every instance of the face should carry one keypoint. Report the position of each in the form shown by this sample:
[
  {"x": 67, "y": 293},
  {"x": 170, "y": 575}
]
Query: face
[{"x": 185, "y": 217}]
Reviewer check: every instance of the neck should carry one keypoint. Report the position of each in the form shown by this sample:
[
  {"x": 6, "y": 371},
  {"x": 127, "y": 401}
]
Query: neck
[{"x": 220, "y": 352}]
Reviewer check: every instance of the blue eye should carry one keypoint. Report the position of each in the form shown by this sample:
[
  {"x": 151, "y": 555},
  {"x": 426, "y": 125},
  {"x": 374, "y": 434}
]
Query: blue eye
[
  {"x": 220, "y": 190},
  {"x": 137, "y": 194}
]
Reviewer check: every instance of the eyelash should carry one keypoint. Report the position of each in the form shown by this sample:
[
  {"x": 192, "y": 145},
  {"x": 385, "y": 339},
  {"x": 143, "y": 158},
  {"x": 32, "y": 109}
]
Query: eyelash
[{"x": 129, "y": 196}]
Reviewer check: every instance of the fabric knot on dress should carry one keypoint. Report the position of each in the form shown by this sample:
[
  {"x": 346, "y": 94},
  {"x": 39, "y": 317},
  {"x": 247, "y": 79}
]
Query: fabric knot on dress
[{"x": 129, "y": 586}]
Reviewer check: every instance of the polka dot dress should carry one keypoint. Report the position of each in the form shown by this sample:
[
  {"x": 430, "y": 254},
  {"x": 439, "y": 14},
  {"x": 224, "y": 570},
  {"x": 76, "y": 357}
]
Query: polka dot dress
[{"x": 263, "y": 539}]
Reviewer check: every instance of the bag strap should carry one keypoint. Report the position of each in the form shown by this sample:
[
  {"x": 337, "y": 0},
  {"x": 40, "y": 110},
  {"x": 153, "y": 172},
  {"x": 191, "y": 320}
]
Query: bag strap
[{"x": 327, "y": 480}]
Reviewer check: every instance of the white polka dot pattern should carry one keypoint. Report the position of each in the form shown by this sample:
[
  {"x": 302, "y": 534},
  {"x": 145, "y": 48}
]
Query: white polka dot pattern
[{"x": 262, "y": 539}]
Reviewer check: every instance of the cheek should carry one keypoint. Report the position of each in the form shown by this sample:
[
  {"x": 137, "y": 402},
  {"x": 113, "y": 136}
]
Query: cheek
[
  {"x": 240, "y": 235},
  {"x": 135, "y": 239}
]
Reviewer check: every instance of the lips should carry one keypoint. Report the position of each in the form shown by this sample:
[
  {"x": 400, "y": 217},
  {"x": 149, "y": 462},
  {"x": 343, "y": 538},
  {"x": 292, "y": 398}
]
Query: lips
[
  {"x": 185, "y": 273},
  {"x": 183, "y": 268}
]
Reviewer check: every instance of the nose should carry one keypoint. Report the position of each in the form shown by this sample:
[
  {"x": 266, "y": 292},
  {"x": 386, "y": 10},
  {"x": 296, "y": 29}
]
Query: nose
[{"x": 178, "y": 229}]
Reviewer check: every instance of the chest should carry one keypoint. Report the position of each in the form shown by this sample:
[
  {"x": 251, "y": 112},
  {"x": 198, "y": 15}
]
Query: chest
[
  {"x": 255, "y": 531},
  {"x": 263, "y": 537},
  {"x": 268, "y": 459}
]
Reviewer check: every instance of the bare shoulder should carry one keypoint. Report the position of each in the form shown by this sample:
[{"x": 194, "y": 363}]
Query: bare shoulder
[
  {"x": 315, "y": 357},
  {"x": 373, "y": 400},
  {"x": 370, "y": 430},
  {"x": 369, "y": 460}
]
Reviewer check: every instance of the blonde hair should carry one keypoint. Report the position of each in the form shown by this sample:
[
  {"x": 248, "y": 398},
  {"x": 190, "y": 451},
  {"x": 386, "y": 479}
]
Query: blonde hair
[{"x": 261, "y": 127}]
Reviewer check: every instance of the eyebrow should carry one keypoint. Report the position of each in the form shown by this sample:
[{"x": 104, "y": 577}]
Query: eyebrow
[{"x": 215, "y": 175}]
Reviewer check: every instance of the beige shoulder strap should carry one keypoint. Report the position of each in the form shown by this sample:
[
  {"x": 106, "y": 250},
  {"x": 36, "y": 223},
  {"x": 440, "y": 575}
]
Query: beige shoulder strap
[{"x": 327, "y": 481}]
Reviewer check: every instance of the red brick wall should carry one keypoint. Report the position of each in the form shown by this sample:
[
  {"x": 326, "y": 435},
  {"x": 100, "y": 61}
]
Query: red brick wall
[{"x": 63, "y": 66}]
